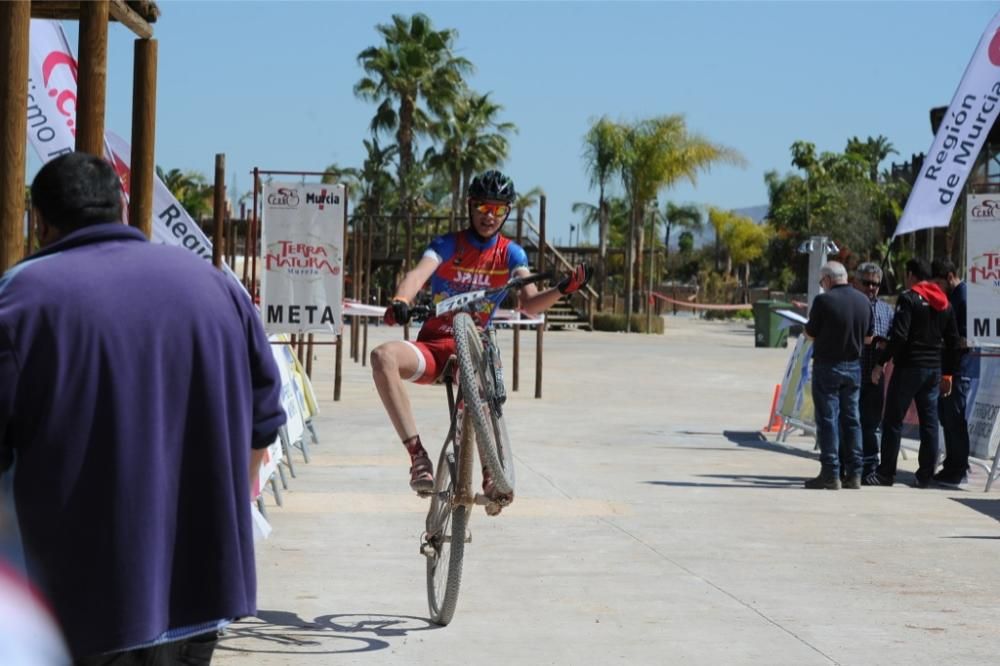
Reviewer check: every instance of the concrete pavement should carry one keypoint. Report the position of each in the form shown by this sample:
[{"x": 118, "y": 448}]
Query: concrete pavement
[{"x": 653, "y": 525}]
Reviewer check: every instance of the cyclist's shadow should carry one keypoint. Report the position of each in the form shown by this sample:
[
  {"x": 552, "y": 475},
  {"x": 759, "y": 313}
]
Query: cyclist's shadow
[{"x": 284, "y": 632}]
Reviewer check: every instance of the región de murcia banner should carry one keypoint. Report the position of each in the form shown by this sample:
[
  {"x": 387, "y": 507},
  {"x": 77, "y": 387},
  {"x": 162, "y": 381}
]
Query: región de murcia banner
[{"x": 302, "y": 239}]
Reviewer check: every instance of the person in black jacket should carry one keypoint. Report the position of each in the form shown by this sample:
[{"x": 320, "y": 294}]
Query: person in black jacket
[
  {"x": 839, "y": 321},
  {"x": 924, "y": 348}
]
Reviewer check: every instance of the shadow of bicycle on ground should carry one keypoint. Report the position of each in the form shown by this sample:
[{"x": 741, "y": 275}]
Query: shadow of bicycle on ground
[{"x": 284, "y": 632}]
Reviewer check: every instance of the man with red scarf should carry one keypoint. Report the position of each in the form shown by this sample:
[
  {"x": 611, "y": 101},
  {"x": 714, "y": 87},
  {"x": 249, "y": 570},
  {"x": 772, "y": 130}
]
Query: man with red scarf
[{"x": 924, "y": 348}]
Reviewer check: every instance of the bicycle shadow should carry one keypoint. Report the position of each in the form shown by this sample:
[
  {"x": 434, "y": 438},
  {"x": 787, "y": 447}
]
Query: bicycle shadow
[{"x": 285, "y": 632}]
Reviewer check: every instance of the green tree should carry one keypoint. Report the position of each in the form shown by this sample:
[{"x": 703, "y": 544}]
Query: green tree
[
  {"x": 657, "y": 153},
  {"x": 191, "y": 189},
  {"x": 414, "y": 64},
  {"x": 602, "y": 152},
  {"x": 471, "y": 138},
  {"x": 686, "y": 217}
]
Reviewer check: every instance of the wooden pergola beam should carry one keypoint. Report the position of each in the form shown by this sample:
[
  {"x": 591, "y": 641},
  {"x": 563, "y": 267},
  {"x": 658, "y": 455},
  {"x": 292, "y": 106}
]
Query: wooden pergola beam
[{"x": 136, "y": 16}]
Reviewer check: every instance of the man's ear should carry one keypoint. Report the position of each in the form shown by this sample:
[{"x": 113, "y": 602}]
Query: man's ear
[{"x": 45, "y": 232}]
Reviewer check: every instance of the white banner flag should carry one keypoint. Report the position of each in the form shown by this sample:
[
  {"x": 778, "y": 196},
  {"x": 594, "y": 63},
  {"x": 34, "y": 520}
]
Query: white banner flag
[
  {"x": 51, "y": 91},
  {"x": 302, "y": 240},
  {"x": 52, "y": 132},
  {"x": 958, "y": 140}
]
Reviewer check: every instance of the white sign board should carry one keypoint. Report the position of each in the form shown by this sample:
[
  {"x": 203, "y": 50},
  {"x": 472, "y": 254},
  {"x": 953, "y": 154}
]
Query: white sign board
[
  {"x": 302, "y": 240},
  {"x": 983, "y": 273},
  {"x": 983, "y": 424}
]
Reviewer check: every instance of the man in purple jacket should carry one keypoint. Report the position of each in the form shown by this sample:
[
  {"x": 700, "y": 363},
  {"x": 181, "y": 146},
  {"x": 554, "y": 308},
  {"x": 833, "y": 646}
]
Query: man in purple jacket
[{"x": 137, "y": 393}]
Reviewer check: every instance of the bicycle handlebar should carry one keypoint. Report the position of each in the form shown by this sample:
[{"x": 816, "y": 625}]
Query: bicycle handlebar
[{"x": 424, "y": 311}]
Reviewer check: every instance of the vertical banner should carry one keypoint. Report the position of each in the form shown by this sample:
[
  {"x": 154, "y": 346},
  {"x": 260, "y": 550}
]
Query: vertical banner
[
  {"x": 959, "y": 139},
  {"x": 983, "y": 272},
  {"x": 302, "y": 240}
]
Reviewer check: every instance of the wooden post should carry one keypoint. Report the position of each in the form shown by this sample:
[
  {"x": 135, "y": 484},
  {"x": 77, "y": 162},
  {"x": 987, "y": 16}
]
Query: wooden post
[
  {"x": 309, "y": 357},
  {"x": 407, "y": 259},
  {"x": 515, "y": 375},
  {"x": 338, "y": 369},
  {"x": 15, "y": 19},
  {"x": 356, "y": 289},
  {"x": 364, "y": 342},
  {"x": 253, "y": 235},
  {"x": 143, "y": 165},
  {"x": 92, "y": 76},
  {"x": 218, "y": 209},
  {"x": 540, "y": 330}
]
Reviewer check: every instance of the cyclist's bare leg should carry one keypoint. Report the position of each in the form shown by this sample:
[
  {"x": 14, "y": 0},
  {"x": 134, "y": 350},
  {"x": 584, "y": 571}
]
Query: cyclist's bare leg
[{"x": 392, "y": 363}]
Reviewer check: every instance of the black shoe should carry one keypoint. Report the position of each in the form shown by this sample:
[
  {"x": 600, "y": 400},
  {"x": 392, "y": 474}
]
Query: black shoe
[
  {"x": 919, "y": 482},
  {"x": 851, "y": 482},
  {"x": 823, "y": 483},
  {"x": 951, "y": 480},
  {"x": 876, "y": 479}
]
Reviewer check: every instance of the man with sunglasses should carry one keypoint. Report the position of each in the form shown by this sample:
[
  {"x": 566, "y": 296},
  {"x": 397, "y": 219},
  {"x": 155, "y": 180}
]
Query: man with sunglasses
[
  {"x": 868, "y": 280},
  {"x": 475, "y": 258}
]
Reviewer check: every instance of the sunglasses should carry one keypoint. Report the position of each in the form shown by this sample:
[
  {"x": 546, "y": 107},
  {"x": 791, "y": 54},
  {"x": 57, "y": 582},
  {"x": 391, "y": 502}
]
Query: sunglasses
[
  {"x": 871, "y": 283},
  {"x": 497, "y": 209}
]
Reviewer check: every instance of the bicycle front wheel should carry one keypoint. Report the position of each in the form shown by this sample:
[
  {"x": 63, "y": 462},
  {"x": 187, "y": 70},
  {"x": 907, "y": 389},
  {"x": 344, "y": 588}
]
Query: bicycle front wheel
[
  {"x": 491, "y": 431},
  {"x": 446, "y": 525}
]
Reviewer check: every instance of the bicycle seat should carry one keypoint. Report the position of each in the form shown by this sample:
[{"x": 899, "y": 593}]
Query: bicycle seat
[{"x": 448, "y": 367}]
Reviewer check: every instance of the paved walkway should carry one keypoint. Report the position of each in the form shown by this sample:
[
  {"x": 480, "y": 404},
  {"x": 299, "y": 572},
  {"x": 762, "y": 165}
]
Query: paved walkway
[{"x": 653, "y": 525}]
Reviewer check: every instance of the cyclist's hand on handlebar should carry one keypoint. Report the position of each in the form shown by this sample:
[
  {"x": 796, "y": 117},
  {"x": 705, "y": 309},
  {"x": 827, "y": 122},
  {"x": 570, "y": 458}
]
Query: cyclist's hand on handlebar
[
  {"x": 398, "y": 312},
  {"x": 576, "y": 279}
]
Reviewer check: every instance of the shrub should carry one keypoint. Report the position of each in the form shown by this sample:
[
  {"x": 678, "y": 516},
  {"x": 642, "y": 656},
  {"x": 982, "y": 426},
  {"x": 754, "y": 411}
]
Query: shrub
[{"x": 606, "y": 321}]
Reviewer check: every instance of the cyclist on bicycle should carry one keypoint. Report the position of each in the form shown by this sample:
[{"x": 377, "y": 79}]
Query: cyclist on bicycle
[{"x": 475, "y": 258}]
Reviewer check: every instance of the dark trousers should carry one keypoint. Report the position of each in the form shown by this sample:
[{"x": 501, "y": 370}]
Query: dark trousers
[
  {"x": 956, "y": 428},
  {"x": 919, "y": 385},
  {"x": 194, "y": 651},
  {"x": 870, "y": 404}
]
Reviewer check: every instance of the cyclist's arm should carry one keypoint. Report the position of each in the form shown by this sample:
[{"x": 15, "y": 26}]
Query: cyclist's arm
[
  {"x": 532, "y": 301},
  {"x": 414, "y": 281}
]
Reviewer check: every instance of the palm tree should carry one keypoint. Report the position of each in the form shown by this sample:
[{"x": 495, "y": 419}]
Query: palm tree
[
  {"x": 687, "y": 217},
  {"x": 414, "y": 64},
  {"x": 873, "y": 151},
  {"x": 658, "y": 152},
  {"x": 602, "y": 150},
  {"x": 471, "y": 139},
  {"x": 376, "y": 184},
  {"x": 191, "y": 189},
  {"x": 525, "y": 201},
  {"x": 486, "y": 143}
]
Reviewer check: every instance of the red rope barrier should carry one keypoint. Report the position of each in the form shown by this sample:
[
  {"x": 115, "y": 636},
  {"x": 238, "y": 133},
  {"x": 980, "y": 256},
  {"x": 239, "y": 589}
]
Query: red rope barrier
[{"x": 702, "y": 306}]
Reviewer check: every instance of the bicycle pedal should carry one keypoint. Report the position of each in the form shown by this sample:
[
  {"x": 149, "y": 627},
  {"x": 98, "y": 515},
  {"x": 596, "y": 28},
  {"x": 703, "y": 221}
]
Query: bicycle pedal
[
  {"x": 428, "y": 550},
  {"x": 493, "y": 509}
]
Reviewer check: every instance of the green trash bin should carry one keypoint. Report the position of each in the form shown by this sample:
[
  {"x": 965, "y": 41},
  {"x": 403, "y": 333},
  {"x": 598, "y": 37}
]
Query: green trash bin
[{"x": 768, "y": 330}]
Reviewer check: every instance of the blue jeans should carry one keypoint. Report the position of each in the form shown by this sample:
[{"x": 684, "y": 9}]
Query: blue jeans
[
  {"x": 919, "y": 385},
  {"x": 835, "y": 389},
  {"x": 951, "y": 410}
]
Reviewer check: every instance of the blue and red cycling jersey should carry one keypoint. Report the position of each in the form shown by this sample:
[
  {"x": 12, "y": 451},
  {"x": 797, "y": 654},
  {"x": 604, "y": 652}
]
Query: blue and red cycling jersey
[{"x": 469, "y": 264}]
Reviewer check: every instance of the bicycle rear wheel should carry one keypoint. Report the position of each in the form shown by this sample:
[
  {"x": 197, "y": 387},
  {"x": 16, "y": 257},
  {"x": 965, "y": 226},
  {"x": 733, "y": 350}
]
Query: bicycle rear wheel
[
  {"x": 446, "y": 524},
  {"x": 491, "y": 431}
]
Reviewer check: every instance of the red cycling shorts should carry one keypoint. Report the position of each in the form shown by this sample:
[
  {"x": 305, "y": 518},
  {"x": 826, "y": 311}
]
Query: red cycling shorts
[{"x": 432, "y": 354}]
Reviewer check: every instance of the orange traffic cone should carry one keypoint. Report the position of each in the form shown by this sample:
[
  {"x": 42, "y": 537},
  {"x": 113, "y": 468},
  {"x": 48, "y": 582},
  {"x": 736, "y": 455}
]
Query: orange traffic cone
[{"x": 774, "y": 421}]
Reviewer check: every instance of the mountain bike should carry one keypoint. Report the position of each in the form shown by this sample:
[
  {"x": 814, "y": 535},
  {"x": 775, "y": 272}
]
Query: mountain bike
[{"x": 476, "y": 395}]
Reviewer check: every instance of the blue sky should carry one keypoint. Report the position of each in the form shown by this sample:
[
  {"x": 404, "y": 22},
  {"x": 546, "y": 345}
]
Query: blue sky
[{"x": 270, "y": 83}]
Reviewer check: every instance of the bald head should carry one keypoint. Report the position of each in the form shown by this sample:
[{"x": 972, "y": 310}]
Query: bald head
[{"x": 835, "y": 271}]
